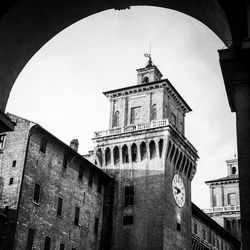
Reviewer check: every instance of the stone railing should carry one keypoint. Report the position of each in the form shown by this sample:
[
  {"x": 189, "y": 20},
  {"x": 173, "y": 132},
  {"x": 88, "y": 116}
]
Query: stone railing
[
  {"x": 222, "y": 209},
  {"x": 131, "y": 128}
]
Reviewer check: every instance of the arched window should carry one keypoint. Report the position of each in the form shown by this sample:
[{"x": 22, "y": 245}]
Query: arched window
[
  {"x": 234, "y": 227},
  {"x": 152, "y": 150},
  {"x": 134, "y": 152},
  {"x": 160, "y": 145},
  {"x": 116, "y": 117},
  {"x": 228, "y": 226},
  {"x": 143, "y": 150},
  {"x": 116, "y": 155},
  {"x": 107, "y": 156},
  {"x": 233, "y": 170},
  {"x": 125, "y": 154},
  {"x": 99, "y": 156},
  {"x": 153, "y": 112}
]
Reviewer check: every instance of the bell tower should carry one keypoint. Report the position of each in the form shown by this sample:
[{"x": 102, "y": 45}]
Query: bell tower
[{"x": 145, "y": 150}]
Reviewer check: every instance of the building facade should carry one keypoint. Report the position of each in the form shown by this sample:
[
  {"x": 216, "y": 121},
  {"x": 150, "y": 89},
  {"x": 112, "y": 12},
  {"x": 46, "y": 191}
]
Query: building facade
[
  {"x": 56, "y": 195},
  {"x": 225, "y": 200},
  {"x": 145, "y": 150},
  {"x": 207, "y": 234}
]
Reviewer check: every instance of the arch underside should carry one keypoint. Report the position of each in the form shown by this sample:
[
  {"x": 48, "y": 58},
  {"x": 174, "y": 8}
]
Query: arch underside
[{"x": 26, "y": 25}]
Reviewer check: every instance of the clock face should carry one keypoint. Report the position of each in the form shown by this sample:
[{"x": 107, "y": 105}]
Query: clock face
[{"x": 179, "y": 190}]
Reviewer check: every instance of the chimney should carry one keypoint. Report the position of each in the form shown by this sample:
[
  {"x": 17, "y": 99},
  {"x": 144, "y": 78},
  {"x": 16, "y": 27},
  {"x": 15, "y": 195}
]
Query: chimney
[{"x": 74, "y": 144}]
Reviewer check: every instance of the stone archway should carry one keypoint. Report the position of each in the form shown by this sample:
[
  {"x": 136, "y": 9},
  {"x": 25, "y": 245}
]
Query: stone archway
[{"x": 26, "y": 25}]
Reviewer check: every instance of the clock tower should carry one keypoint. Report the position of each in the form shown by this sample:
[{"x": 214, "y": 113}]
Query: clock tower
[{"x": 146, "y": 151}]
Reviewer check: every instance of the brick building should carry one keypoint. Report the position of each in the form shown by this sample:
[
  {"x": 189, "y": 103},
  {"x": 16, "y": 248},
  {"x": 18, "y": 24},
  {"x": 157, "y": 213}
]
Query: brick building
[
  {"x": 225, "y": 199},
  {"x": 51, "y": 197},
  {"x": 55, "y": 195},
  {"x": 207, "y": 234}
]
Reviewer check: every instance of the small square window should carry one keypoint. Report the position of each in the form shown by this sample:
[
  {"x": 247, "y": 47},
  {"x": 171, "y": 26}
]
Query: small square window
[
  {"x": 11, "y": 181},
  {"x": 178, "y": 227},
  {"x": 77, "y": 213},
  {"x": 96, "y": 225},
  {"x": 14, "y": 164},
  {"x": 128, "y": 220},
  {"x": 2, "y": 141},
  {"x": 36, "y": 195},
  {"x": 43, "y": 145}
]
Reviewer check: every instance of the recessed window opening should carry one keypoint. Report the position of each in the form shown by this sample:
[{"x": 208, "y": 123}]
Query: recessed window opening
[
  {"x": 172, "y": 153},
  {"x": 37, "y": 191},
  {"x": 65, "y": 161},
  {"x": 128, "y": 220},
  {"x": 116, "y": 155},
  {"x": 116, "y": 119},
  {"x": 99, "y": 156},
  {"x": 91, "y": 177},
  {"x": 30, "y": 239},
  {"x": 59, "y": 206},
  {"x": 125, "y": 158},
  {"x": 160, "y": 145},
  {"x": 152, "y": 149},
  {"x": 81, "y": 170},
  {"x": 47, "y": 243},
  {"x": 77, "y": 213},
  {"x": 143, "y": 149},
  {"x": 176, "y": 156},
  {"x": 14, "y": 164},
  {"x": 134, "y": 152},
  {"x": 62, "y": 246},
  {"x": 107, "y": 156},
  {"x": 11, "y": 181},
  {"x": 96, "y": 226},
  {"x": 233, "y": 170},
  {"x": 178, "y": 226}
]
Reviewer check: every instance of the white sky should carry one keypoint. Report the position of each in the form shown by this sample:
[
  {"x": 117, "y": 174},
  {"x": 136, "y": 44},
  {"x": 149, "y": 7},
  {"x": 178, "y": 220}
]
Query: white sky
[{"x": 61, "y": 87}]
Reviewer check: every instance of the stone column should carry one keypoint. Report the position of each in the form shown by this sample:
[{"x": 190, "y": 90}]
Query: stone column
[{"x": 235, "y": 65}]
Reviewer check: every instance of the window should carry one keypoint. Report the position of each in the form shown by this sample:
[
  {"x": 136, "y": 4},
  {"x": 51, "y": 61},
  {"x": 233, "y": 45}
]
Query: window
[
  {"x": 59, "y": 206},
  {"x": 153, "y": 112},
  {"x": 128, "y": 220},
  {"x": 233, "y": 170},
  {"x": 178, "y": 226},
  {"x": 152, "y": 150},
  {"x": 91, "y": 176},
  {"x": 107, "y": 156},
  {"x": 228, "y": 226},
  {"x": 11, "y": 181},
  {"x": 99, "y": 187},
  {"x": 145, "y": 80},
  {"x": 47, "y": 243},
  {"x": 77, "y": 213},
  {"x": 116, "y": 119},
  {"x": 65, "y": 161},
  {"x": 81, "y": 170},
  {"x": 134, "y": 153},
  {"x": 62, "y": 246},
  {"x": 30, "y": 239},
  {"x": 2, "y": 141},
  {"x": 116, "y": 155},
  {"x": 129, "y": 196},
  {"x": 14, "y": 164},
  {"x": 99, "y": 156},
  {"x": 36, "y": 193},
  {"x": 43, "y": 145},
  {"x": 231, "y": 199},
  {"x": 135, "y": 115},
  {"x": 160, "y": 144},
  {"x": 143, "y": 149},
  {"x": 125, "y": 158},
  {"x": 204, "y": 234},
  {"x": 215, "y": 200},
  {"x": 96, "y": 226}
]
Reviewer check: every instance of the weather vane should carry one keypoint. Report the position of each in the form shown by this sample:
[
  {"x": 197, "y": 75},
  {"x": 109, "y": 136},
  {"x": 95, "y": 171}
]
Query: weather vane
[{"x": 148, "y": 55}]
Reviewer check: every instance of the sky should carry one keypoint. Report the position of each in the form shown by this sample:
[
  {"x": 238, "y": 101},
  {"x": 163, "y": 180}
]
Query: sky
[{"x": 61, "y": 86}]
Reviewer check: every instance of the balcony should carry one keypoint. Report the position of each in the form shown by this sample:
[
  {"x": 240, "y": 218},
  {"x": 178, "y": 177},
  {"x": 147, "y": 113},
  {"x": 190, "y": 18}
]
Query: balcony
[
  {"x": 132, "y": 128},
  {"x": 222, "y": 209}
]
